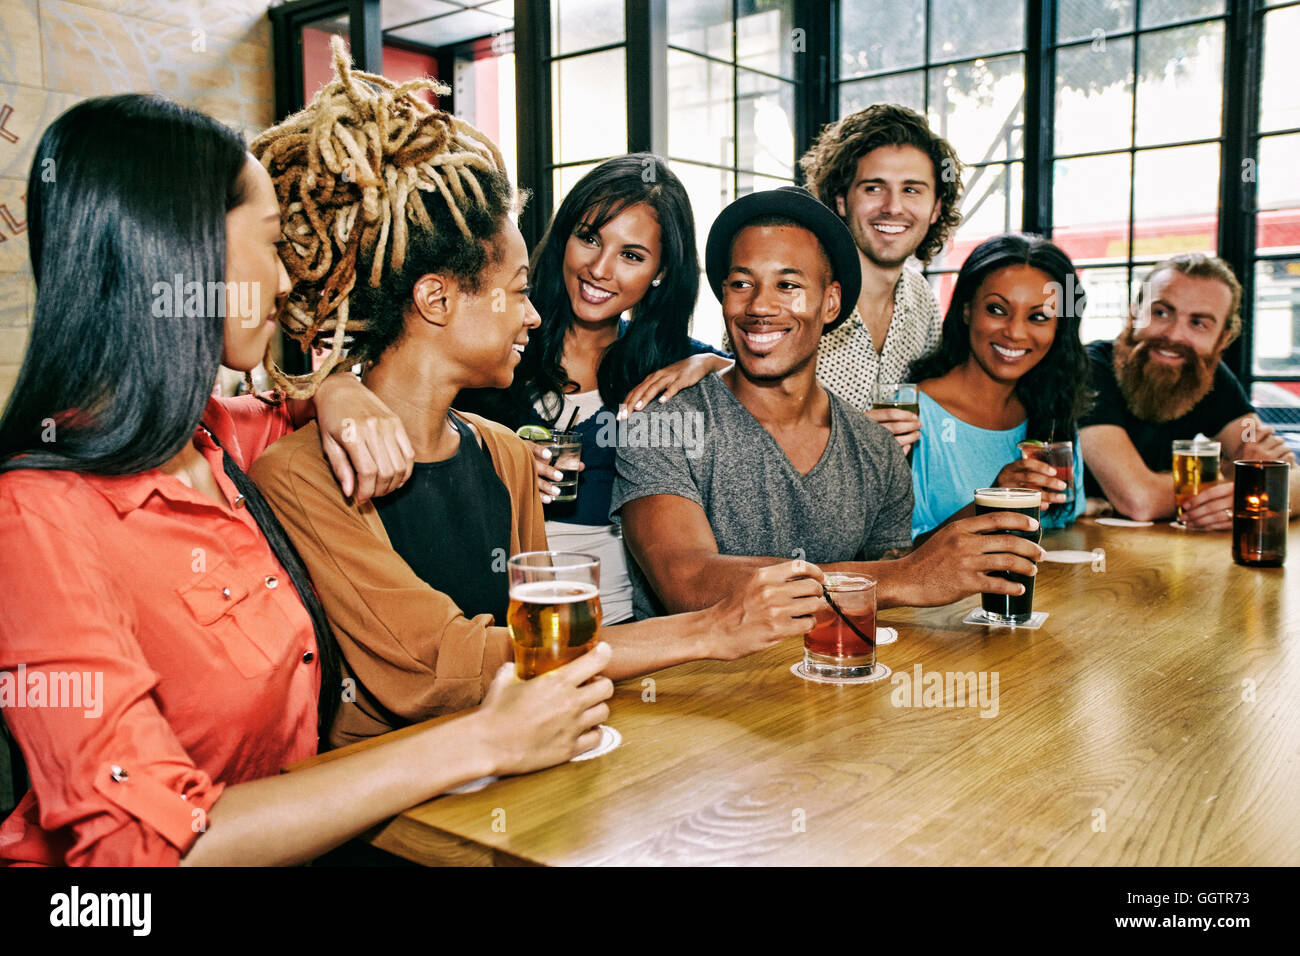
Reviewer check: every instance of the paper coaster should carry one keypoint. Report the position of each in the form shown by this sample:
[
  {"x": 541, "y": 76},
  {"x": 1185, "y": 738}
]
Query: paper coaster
[
  {"x": 885, "y": 635},
  {"x": 1123, "y": 523},
  {"x": 879, "y": 672},
  {"x": 1035, "y": 621},
  {"x": 609, "y": 739},
  {"x": 1070, "y": 557},
  {"x": 474, "y": 786}
]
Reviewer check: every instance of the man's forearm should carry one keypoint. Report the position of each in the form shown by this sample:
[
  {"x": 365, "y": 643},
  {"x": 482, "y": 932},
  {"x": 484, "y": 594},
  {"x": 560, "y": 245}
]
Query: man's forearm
[
  {"x": 692, "y": 583},
  {"x": 893, "y": 586},
  {"x": 1148, "y": 498},
  {"x": 643, "y": 646}
]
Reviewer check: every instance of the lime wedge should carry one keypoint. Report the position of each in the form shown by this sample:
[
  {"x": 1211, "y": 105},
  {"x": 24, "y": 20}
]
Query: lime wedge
[
  {"x": 1033, "y": 441},
  {"x": 533, "y": 432}
]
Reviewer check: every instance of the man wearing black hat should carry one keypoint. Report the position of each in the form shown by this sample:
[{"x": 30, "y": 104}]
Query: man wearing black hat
[{"x": 785, "y": 468}]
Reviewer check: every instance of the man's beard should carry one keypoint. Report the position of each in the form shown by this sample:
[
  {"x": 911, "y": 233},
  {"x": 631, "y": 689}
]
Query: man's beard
[{"x": 1156, "y": 392}]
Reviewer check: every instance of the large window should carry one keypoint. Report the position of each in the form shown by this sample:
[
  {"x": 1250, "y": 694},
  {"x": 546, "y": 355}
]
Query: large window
[
  {"x": 966, "y": 74},
  {"x": 588, "y": 76},
  {"x": 1275, "y": 332},
  {"x": 1157, "y": 127},
  {"x": 1137, "y": 142}
]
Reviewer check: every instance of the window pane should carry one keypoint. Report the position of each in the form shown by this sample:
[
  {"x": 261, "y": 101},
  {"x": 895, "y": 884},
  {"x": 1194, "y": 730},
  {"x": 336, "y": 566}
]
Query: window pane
[
  {"x": 880, "y": 35},
  {"x": 589, "y": 106},
  {"x": 1180, "y": 84},
  {"x": 1175, "y": 201},
  {"x": 905, "y": 89},
  {"x": 1093, "y": 90},
  {"x": 1279, "y": 103},
  {"x": 700, "y": 120},
  {"x": 766, "y": 117},
  {"x": 1076, "y": 19},
  {"x": 991, "y": 205},
  {"x": 1157, "y": 12},
  {"x": 979, "y": 108},
  {"x": 957, "y": 29},
  {"x": 1107, "y": 290},
  {"x": 747, "y": 183},
  {"x": 764, "y": 38},
  {"x": 701, "y": 25},
  {"x": 566, "y": 177},
  {"x": 583, "y": 24},
  {"x": 1090, "y": 207},
  {"x": 1277, "y": 317},
  {"x": 710, "y": 191},
  {"x": 1278, "y": 221}
]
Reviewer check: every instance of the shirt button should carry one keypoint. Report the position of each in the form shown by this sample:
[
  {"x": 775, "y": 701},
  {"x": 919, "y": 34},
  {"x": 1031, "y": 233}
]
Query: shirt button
[
  {"x": 308, "y": 657},
  {"x": 239, "y": 501},
  {"x": 272, "y": 581},
  {"x": 225, "y": 592},
  {"x": 119, "y": 774}
]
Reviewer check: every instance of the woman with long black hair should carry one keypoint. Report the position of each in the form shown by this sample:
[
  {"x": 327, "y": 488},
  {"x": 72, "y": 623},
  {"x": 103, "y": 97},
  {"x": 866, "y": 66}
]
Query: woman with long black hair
[
  {"x": 1009, "y": 368},
  {"x": 162, "y": 652},
  {"x": 622, "y": 242}
]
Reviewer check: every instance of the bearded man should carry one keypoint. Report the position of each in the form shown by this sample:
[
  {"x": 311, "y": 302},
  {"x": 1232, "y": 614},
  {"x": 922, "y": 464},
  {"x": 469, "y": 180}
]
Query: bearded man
[{"x": 1161, "y": 380}]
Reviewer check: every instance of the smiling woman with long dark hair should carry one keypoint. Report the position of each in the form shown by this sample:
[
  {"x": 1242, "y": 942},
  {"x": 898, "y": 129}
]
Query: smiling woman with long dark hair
[
  {"x": 141, "y": 561},
  {"x": 1009, "y": 368},
  {"x": 622, "y": 242}
]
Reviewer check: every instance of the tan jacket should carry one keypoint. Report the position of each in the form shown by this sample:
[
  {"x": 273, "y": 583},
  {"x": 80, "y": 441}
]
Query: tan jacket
[{"x": 412, "y": 652}]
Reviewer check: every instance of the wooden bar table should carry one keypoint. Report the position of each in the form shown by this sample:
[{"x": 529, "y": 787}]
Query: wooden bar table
[{"x": 1153, "y": 719}]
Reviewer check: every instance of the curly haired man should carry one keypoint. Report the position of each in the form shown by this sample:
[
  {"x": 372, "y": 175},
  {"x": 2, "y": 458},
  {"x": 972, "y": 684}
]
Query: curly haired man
[{"x": 896, "y": 185}]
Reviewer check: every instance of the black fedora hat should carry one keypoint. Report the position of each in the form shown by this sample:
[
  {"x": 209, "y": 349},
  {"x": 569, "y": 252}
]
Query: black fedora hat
[{"x": 798, "y": 205}]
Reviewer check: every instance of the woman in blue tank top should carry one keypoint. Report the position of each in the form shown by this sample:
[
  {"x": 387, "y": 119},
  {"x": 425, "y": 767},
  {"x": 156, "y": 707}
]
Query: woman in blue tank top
[{"x": 1009, "y": 368}]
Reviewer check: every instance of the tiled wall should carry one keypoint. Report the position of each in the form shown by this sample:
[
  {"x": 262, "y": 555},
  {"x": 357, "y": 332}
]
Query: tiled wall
[{"x": 214, "y": 55}]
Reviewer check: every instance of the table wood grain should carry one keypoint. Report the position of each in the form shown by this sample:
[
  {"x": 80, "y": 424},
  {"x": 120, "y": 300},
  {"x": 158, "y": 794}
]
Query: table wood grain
[{"x": 1154, "y": 719}]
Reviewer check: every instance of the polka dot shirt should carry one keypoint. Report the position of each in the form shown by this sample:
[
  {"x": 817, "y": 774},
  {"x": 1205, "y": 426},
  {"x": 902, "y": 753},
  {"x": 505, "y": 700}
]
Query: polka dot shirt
[{"x": 847, "y": 361}]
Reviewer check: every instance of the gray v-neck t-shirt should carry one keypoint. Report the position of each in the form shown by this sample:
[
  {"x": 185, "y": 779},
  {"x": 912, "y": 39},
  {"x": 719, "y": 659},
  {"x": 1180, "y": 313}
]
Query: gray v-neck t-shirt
[{"x": 704, "y": 445}]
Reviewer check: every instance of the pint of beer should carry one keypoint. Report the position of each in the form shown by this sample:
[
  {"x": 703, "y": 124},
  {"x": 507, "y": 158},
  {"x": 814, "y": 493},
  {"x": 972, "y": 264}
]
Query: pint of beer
[
  {"x": 554, "y": 613},
  {"x": 1011, "y": 608},
  {"x": 1196, "y": 467}
]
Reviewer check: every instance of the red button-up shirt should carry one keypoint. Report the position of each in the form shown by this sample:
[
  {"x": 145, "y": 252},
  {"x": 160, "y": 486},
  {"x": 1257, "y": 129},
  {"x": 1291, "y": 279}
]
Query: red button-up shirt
[{"x": 152, "y": 651}]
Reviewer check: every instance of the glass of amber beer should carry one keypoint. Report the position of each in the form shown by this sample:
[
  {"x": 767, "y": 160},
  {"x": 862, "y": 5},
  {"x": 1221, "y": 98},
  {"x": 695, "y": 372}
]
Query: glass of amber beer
[
  {"x": 842, "y": 642},
  {"x": 1196, "y": 467},
  {"x": 1011, "y": 609},
  {"x": 554, "y": 613}
]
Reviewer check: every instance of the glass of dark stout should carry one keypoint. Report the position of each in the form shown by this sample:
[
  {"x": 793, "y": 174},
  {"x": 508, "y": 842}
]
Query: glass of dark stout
[{"x": 1011, "y": 609}]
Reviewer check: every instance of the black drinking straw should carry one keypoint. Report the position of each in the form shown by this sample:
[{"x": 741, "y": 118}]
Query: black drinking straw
[
  {"x": 569, "y": 427},
  {"x": 869, "y": 641}
]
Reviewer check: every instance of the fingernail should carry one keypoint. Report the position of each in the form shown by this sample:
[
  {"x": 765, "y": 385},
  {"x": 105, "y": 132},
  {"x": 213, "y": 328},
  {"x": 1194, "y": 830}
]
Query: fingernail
[
  {"x": 546, "y": 499},
  {"x": 555, "y": 490},
  {"x": 663, "y": 398},
  {"x": 546, "y": 453},
  {"x": 638, "y": 405}
]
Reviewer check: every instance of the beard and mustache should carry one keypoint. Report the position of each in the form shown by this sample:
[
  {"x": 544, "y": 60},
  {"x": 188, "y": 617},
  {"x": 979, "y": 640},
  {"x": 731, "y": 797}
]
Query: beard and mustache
[{"x": 1156, "y": 392}]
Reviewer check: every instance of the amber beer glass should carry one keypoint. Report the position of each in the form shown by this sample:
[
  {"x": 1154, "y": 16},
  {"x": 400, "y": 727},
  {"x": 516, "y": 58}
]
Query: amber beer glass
[
  {"x": 1196, "y": 467},
  {"x": 842, "y": 642},
  {"x": 1011, "y": 608},
  {"x": 554, "y": 613}
]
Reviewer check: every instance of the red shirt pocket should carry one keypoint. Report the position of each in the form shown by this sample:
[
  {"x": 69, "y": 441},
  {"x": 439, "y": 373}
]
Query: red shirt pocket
[{"x": 215, "y": 600}]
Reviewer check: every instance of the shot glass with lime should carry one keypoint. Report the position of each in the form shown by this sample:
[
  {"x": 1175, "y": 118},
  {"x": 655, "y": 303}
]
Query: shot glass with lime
[{"x": 566, "y": 456}]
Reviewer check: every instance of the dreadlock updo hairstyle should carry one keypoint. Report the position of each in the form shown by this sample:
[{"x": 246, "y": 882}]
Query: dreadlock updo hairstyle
[{"x": 376, "y": 187}]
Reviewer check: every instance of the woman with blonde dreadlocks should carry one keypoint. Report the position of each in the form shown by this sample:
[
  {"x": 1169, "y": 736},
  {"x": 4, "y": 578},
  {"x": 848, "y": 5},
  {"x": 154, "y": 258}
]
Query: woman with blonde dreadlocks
[{"x": 400, "y": 215}]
